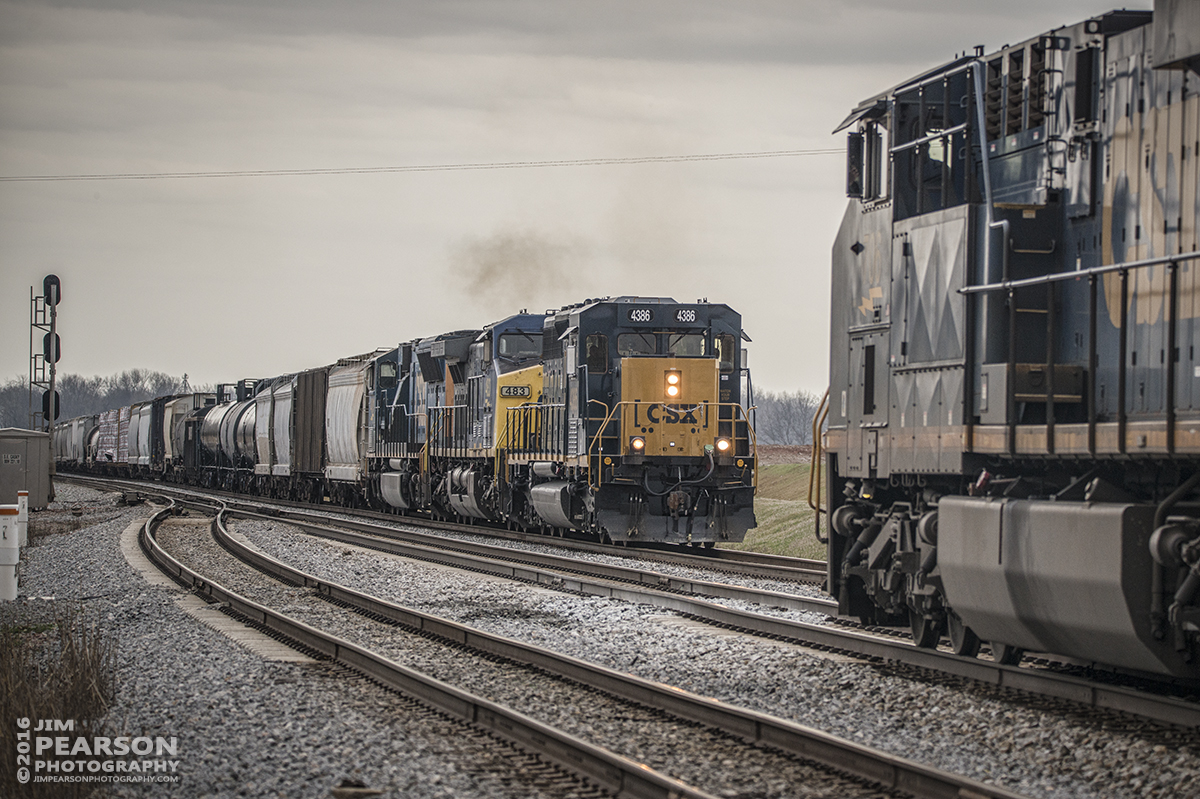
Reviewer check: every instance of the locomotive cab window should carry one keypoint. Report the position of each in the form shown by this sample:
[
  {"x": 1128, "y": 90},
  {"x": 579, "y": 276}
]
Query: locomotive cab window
[
  {"x": 868, "y": 162},
  {"x": 597, "y": 353},
  {"x": 930, "y": 154},
  {"x": 520, "y": 346},
  {"x": 726, "y": 352},
  {"x": 636, "y": 344},
  {"x": 685, "y": 344},
  {"x": 388, "y": 373}
]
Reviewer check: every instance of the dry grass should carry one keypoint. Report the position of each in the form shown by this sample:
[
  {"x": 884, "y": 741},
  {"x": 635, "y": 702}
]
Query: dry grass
[
  {"x": 62, "y": 670},
  {"x": 785, "y": 522}
]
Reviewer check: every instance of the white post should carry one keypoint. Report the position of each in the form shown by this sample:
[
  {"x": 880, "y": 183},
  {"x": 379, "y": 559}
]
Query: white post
[
  {"x": 10, "y": 553},
  {"x": 23, "y": 518}
]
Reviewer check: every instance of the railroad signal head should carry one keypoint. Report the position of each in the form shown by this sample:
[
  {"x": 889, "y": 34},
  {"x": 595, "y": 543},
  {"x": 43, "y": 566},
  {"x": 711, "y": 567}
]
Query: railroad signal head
[
  {"x": 48, "y": 413},
  {"x": 51, "y": 289},
  {"x": 51, "y": 347}
]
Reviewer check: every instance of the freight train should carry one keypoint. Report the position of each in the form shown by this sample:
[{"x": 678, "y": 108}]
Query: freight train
[
  {"x": 1013, "y": 443},
  {"x": 623, "y": 418}
]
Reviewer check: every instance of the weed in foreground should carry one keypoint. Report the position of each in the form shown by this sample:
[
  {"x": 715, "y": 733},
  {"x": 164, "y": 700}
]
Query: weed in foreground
[{"x": 63, "y": 670}]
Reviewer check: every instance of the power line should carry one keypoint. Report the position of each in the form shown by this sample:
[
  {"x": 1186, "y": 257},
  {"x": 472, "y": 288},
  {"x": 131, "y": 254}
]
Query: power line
[{"x": 375, "y": 170}]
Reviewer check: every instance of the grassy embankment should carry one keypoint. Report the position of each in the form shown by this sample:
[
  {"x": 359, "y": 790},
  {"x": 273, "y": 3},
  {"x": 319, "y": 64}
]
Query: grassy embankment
[{"x": 785, "y": 522}]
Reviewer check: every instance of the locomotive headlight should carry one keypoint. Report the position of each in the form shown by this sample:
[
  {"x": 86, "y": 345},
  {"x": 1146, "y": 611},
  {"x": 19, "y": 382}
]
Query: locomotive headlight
[
  {"x": 673, "y": 383},
  {"x": 723, "y": 444},
  {"x": 637, "y": 443}
]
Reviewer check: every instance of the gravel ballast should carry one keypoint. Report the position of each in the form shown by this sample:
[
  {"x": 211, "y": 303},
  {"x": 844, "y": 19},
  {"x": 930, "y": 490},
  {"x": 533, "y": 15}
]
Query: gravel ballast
[
  {"x": 256, "y": 728},
  {"x": 1029, "y": 745},
  {"x": 245, "y": 726},
  {"x": 683, "y": 750}
]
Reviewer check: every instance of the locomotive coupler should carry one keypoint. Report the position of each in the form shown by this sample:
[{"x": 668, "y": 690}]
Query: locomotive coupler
[{"x": 678, "y": 502}]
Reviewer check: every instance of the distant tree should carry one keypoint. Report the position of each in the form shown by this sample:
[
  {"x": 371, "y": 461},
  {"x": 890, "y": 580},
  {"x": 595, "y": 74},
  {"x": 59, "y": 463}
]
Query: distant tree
[
  {"x": 784, "y": 417},
  {"x": 82, "y": 396},
  {"x": 14, "y": 403}
]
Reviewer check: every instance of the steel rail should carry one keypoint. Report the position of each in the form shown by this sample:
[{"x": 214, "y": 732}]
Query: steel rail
[
  {"x": 1088, "y": 693},
  {"x": 757, "y": 728},
  {"x": 612, "y": 772}
]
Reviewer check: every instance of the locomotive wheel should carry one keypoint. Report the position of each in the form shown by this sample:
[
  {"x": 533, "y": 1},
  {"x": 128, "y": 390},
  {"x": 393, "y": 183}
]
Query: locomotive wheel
[
  {"x": 925, "y": 632},
  {"x": 1007, "y": 654},
  {"x": 963, "y": 639}
]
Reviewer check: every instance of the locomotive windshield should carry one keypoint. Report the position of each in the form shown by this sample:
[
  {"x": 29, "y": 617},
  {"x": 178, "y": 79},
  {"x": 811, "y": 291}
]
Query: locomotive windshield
[
  {"x": 636, "y": 344},
  {"x": 520, "y": 346},
  {"x": 685, "y": 344}
]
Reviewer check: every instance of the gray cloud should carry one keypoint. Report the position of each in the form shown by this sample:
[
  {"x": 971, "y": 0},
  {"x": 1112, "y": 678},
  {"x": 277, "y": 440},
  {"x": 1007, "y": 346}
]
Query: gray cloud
[{"x": 787, "y": 31}]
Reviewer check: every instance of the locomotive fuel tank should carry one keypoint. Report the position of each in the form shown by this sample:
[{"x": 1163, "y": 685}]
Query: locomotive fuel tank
[{"x": 1050, "y": 576}]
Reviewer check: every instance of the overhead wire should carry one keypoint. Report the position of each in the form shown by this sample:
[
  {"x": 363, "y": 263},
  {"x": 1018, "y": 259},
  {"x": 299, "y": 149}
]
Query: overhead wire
[{"x": 374, "y": 170}]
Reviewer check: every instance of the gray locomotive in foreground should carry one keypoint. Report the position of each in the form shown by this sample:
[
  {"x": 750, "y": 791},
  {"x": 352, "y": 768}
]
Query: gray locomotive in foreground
[
  {"x": 622, "y": 418},
  {"x": 1013, "y": 449}
]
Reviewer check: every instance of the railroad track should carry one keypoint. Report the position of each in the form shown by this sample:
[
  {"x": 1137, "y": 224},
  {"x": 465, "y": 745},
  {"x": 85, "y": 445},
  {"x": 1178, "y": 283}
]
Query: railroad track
[
  {"x": 691, "y": 598},
  {"x": 781, "y": 747},
  {"x": 729, "y": 561}
]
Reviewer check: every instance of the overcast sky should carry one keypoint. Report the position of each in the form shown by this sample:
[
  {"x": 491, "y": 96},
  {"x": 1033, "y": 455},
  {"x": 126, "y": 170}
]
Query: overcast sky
[{"x": 233, "y": 277}]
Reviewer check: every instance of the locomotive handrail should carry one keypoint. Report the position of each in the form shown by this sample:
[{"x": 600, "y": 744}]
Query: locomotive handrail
[
  {"x": 517, "y": 417},
  {"x": 814, "y": 465},
  {"x": 941, "y": 134},
  {"x": 1060, "y": 277}
]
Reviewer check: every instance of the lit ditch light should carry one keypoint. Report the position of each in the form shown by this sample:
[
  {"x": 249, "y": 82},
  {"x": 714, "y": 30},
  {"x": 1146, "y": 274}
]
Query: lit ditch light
[
  {"x": 637, "y": 444},
  {"x": 723, "y": 444},
  {"x": 673, "y": 383}
]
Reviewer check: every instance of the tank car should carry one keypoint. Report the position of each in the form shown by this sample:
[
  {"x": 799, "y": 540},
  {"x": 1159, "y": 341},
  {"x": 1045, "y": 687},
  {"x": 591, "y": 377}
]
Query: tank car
[{"x": 1013, "y": 447}]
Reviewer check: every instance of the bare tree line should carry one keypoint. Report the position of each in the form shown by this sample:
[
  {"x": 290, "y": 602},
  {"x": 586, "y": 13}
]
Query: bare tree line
[
  {"x": 784, "y": 417},
  {"x": 81, "y": 396}
]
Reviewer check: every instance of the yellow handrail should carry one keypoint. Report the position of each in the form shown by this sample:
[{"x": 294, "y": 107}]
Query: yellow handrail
[{"x": 814, "y": 466}]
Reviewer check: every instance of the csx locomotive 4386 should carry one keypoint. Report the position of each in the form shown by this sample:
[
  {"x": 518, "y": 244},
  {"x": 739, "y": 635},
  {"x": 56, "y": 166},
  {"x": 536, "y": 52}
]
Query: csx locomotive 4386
[
  {"x": 623, "y": 418},
  {"x": 1013, "y": 450}
]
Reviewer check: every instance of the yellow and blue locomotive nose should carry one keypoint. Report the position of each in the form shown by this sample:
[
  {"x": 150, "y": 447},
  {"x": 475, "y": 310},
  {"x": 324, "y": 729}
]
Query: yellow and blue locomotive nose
[{"x": 669, "y": 406}]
